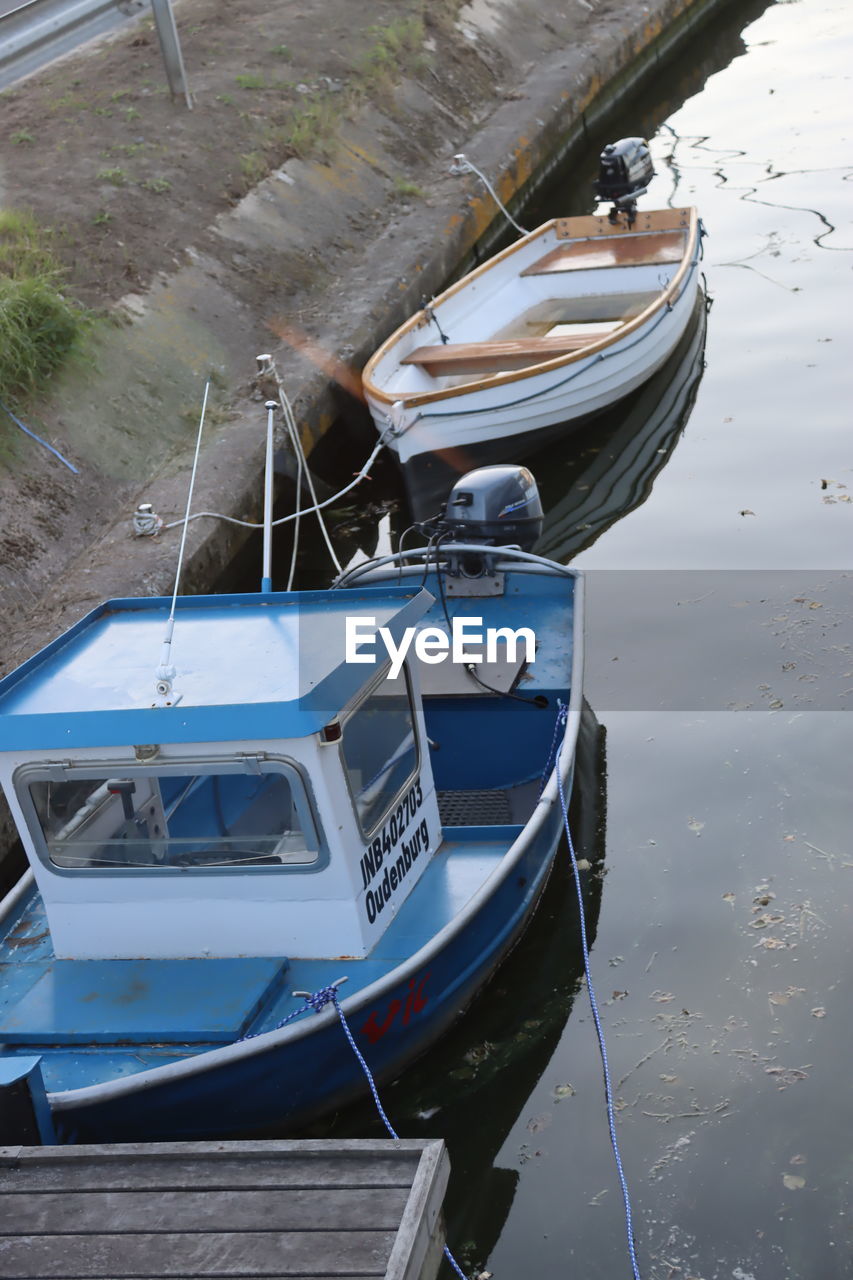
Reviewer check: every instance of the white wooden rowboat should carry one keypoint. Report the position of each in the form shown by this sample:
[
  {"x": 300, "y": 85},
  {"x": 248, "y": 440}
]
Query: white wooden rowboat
[{"x": 560, "y": 325}]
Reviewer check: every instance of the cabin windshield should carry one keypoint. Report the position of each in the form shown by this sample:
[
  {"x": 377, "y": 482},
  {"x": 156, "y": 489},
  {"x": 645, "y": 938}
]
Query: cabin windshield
[
  {"x": 379, "y": 750},
  {"x": 179, "y": 817}
]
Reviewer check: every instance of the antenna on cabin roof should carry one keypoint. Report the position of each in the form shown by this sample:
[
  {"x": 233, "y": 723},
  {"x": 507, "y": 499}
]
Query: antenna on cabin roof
[{"x": 165, "y": 673}]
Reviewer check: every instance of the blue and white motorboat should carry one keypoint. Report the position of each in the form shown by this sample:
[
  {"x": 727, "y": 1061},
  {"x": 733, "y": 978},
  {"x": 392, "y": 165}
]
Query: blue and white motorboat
[{"x": 283, "y": 802}]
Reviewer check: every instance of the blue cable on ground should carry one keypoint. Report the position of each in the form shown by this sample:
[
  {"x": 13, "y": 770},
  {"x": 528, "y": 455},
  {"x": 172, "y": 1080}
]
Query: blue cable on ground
[
  {"x": 38, "y": 439},
  {"x": 608, "y": 1088}
]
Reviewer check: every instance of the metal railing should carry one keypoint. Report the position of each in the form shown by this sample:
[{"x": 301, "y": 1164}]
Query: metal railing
[{"x": 37, "y": 31}]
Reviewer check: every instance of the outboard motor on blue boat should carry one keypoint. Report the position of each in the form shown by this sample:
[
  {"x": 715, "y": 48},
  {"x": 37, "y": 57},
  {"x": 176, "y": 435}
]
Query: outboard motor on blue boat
[
  {"x": 496, "y": 506},
  {"x": 624, "y": 173}
]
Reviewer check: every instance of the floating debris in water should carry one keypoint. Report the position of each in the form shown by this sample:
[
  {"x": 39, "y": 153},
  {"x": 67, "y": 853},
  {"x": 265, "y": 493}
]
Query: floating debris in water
[
  {"x": 783, "y": 997},
  {"x": 762, "y": 921},
  {"x": 787, "y": 1075}
]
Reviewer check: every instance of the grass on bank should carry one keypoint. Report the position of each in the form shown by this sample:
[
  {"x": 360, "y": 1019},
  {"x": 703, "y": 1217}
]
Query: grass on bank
[
  {"x": 311, "y": 130},
  {"x": 39, "y": 326}
]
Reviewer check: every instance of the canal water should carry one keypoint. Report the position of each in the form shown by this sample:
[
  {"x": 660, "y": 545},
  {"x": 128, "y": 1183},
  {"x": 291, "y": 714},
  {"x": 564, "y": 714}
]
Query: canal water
[{"x": 717, "y": 539}]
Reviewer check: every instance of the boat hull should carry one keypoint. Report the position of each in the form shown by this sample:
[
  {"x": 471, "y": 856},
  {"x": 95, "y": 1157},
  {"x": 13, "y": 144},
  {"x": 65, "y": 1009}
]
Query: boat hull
[
  {"x": 283, "y": 1081},
  {"x": 527, "y": 411}
]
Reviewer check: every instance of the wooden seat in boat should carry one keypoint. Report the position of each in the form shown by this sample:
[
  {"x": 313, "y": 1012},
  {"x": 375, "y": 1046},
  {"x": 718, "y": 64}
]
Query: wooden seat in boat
[
  {"x": 497, "y": 357},
  {"x": 647, "y": 248}
]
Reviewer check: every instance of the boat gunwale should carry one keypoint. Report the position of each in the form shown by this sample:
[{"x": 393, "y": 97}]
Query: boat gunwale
[
  {"x": 68, "y": 1100},
  {"x": 418, "y": 399}
]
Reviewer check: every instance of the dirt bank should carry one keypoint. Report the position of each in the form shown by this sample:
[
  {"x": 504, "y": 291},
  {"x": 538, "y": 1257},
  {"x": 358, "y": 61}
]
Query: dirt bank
[{"x": 307, "y": 194}]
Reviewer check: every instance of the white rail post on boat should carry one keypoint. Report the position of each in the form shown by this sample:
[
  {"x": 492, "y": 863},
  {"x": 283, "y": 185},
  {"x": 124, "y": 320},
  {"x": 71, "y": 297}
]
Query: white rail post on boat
[{"x": 266, "y": 580}]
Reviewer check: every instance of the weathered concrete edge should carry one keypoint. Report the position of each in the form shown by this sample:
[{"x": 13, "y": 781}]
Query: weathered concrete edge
[
  {"x": 568, "y": 92},
  {"x": 519, "y": 160},
  {"x": 522, "y": 157}
]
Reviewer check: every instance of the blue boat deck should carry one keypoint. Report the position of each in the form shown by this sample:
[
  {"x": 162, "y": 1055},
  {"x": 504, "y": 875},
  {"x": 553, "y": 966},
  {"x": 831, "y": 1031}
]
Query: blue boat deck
[{"x": 95, "y": 1020}]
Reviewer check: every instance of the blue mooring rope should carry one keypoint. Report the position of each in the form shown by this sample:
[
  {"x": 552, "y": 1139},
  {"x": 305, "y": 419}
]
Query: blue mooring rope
[
  {"x": 608, "y": 1088},
  {"x": 317, "y": 1001}
]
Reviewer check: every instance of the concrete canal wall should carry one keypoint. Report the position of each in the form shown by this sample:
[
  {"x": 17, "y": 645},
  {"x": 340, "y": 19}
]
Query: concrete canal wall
[{"x": 317, "y": 262}]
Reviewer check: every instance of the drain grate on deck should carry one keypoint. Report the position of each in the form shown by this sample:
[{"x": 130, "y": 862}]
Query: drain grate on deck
[{"x": 474, "y": 808}]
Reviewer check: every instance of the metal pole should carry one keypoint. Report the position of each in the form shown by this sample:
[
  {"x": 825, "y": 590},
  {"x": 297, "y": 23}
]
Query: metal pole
[
  {"x": 266, "y": 582},
  {"x": 170, "y": 45}
]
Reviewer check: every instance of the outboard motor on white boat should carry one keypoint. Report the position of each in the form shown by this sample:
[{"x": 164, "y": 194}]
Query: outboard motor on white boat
[
  {"x": 624, "y": 173},
  {"x": 497, "y": 505}
]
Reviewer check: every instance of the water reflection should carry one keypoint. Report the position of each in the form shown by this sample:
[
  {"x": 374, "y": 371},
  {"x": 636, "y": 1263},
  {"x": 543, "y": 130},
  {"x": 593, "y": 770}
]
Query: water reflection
[
  {"x": 472, "y": 1088},
  {"x": 592, "y": 475},
  {"x": 614, "y": 469},
  {"x": 728, "y": 1028},
  {"x": 725, "y": 938}
]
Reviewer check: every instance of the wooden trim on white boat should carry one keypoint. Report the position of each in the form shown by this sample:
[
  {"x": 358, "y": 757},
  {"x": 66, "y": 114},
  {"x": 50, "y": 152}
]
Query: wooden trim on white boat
[
  {"x": 420, "y": 319},
  {"x": 645, "y": 250},
  {"x": 494, "y": 357},
  {"x": 664, "y": 219},
  {"x": 583, "y": 227}
]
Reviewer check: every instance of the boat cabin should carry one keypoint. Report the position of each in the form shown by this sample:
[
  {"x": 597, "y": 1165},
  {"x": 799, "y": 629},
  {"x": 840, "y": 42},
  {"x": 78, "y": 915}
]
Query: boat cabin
[{"x": 279, "y": 801}]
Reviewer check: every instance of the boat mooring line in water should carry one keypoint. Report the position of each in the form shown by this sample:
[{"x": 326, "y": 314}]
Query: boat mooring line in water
[
  {"x": 593, "y": 1003},
  {"x": 38, "y": 439},
  {"x": 317, "y": 1000},
  {"x": 369, "y": 1077}
]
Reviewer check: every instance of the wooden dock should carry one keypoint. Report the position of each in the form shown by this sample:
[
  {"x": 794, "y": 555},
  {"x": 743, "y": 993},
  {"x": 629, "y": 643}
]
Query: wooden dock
[{"x": 181, "y": 1211}]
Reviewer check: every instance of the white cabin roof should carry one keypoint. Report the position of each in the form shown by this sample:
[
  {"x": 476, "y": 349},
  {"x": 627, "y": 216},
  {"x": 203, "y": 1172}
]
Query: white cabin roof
[{"x": 246, "y": 666}]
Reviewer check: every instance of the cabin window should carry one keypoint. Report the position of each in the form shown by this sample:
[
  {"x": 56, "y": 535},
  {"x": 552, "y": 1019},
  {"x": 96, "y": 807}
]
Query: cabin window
[
  {"x": 379, "y": 749},
  {"x": 179, "y": 817}
]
